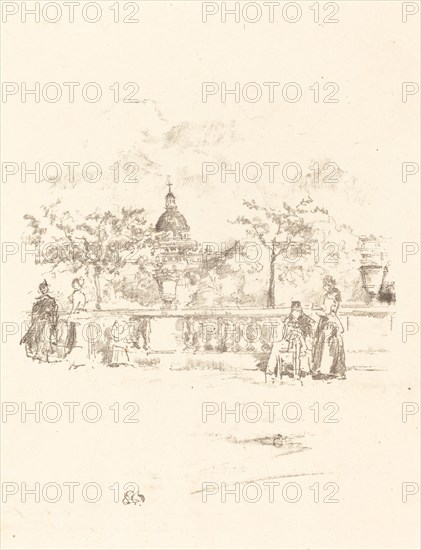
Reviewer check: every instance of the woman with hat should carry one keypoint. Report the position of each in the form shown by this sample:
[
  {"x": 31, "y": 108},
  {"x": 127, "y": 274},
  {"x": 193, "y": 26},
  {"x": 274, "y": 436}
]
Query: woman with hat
[
  {"x": 328, "y": 349},
  {"x": 41, "y": 335}
]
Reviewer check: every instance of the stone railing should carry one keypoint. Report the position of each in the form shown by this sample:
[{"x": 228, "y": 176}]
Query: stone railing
[{"x": 209, "y": 330}]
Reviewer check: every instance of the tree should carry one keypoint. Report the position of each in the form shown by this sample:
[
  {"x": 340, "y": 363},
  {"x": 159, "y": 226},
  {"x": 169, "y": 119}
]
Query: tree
[
  {"x": 102, "y": 242},
  {"x": 291, "y": 237}
]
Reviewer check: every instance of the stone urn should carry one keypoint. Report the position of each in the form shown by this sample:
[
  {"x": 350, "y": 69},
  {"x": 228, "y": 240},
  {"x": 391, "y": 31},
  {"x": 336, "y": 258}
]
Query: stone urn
[
  {"x": 372, "y": 278},
  {"x": 167, "y": 280}
]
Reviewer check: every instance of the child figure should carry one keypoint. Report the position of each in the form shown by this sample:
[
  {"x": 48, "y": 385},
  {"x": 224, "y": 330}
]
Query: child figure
[{"x": 119, "y": 351}]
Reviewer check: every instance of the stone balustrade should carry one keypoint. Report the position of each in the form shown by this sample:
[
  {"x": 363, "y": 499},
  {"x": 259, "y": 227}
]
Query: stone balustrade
[{"x": 209, "y": 330}]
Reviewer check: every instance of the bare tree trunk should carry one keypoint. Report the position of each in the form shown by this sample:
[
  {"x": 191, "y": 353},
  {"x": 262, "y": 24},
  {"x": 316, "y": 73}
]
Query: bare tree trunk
[
  {"x": 271, "y": 289},
  {"x": 97, "y": 288}
]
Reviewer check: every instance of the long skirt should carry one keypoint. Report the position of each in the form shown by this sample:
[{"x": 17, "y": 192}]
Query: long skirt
[
  {"x": 39, "y": 339},
  {"x": 328, "y": 350}
]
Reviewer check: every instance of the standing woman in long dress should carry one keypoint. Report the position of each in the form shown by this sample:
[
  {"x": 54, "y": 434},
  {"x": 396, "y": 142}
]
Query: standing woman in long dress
[
  {"x": 328, "y": 349},
  {"x": 41, "y": 338}
]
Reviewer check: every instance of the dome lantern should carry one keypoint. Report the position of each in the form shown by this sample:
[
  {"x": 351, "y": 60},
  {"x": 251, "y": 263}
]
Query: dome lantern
[{"x": 170, "y": 198}]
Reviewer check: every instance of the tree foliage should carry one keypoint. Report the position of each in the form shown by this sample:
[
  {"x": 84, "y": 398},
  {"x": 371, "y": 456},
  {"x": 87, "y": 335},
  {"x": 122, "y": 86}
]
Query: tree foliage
[{"x": 100, "y": 243}]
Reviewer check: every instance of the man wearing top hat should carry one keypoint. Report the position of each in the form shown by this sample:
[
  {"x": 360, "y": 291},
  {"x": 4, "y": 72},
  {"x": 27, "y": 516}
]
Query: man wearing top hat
[
  {"x": 287, "y": 354},
  {"x": 297, "y": 325}
]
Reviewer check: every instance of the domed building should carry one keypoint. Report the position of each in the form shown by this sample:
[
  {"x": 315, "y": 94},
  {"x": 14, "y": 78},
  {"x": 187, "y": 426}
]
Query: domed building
[
  {"x": 173, "y": 232},
  {"x": 179, "y": 257},
  {"x": 172, "y": 221}
]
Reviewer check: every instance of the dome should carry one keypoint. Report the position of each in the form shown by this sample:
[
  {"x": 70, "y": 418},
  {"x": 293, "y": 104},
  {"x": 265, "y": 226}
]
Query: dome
[{"x": 172, "y": 220}]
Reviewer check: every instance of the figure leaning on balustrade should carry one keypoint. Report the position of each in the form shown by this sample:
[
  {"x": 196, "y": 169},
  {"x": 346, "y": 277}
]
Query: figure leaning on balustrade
[
  {"x": 78, "y": 297},
  {"x": 78, "y": 305},
  {"x": 41, "y": 338},
  {"x": 290, "y": 356},
  {"x": 328, "y": 349},
  {"x": 78, "y": 301}
]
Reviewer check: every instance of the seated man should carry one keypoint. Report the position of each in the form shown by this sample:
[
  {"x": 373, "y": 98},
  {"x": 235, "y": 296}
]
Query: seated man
[
  {"x": 297, "y": 326},
  {"x": 286, "y": 355}
]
